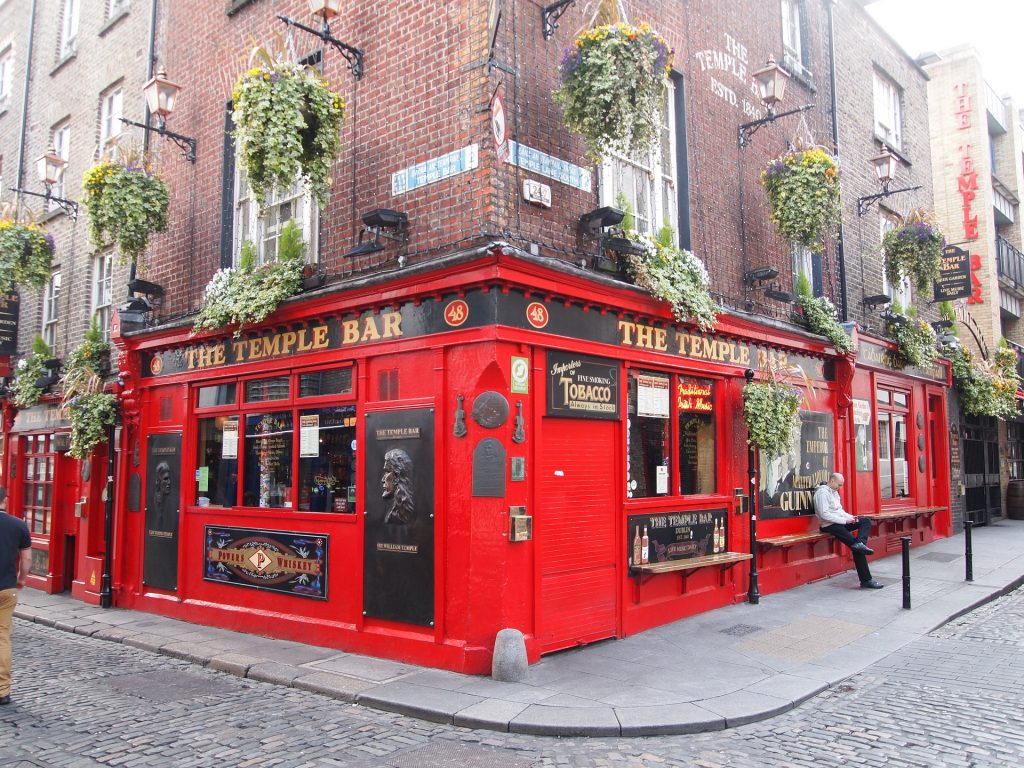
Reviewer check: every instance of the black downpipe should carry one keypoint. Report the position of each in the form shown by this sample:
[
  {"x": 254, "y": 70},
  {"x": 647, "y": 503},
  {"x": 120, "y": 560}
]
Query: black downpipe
[
  {"x": 106, "y": 592},
  {"x": 830, "y": 6},
  {"x": 24, "y": 100}
]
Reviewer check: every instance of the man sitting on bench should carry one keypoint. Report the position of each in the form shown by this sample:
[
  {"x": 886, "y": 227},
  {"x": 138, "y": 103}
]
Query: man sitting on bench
[{"x": 837, "y": 522}]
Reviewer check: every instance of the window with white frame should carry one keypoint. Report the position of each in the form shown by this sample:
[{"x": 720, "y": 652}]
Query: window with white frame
[
  {"x": 6, "y": 76},
  {"x": 803, "y": 264},
  {"x": 647, "y": 181},
  {"x": 103, "y": 292},
  {"x": 792, "y": 44},
  {"x": 898, "y": 293},
  {"x": 263, "y": 228},
  {"x": 888, "y": 120},
  {"x": 61, "y": 138},
  {"x": 69, "y": 28},
  {"x": 51, "y": 297},
  {"x": 110, "y": 116}
]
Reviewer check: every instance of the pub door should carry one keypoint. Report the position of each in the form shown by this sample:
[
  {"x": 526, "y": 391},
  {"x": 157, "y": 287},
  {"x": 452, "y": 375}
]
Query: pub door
[
  {"x": 575, "y": 530},
  {"x": 983, "y": 496}
]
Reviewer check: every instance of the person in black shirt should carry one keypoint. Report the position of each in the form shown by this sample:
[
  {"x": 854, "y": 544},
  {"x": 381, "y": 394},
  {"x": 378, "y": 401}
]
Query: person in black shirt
[{"x": 15, "y": 558}]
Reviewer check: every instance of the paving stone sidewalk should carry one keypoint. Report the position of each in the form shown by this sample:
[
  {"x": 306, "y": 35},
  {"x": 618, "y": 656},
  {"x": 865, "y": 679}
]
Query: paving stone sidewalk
[{"x": 718, "y": 670}]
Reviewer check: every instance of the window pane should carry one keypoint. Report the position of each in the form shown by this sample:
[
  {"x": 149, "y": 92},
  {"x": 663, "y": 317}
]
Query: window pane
[
  {"x": 900, "y": 399},
  {"x": 337, "y": 381},
  {"x": 261, "y": 390},
  {"x": 217, "y": 478},
  {"x": 268, "y": 460},
  {"x": 647, "y": 436},
  {"x": 884, "y": 463},
  {"x": 695, "y": 401},
  {"x": 327, "y": 481},
  {"x": 219, "y": 394},
  {"x": 899, "y": 427},
  {"x": 883, "y": 396}
]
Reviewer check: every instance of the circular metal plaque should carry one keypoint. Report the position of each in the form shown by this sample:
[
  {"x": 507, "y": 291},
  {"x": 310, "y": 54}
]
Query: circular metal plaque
[{"x": 490, "y": 409}]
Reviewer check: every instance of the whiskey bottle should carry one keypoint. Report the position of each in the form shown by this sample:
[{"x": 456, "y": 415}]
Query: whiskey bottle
[
  {"x": 636, "y": 547},
  {"x": 645, "y": 544}
]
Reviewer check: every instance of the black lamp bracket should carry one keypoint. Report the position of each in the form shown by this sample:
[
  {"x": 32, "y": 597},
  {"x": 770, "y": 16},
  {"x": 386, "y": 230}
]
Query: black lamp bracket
[
  {"x": 353, "y": 55},
  {"x": 70, "y": 207},
  {"x": 747, "y": 130},
  {"x": 550, "y": 14},
  {"x": 186, "y": 144},
  {"x": 864, "y": 203}
]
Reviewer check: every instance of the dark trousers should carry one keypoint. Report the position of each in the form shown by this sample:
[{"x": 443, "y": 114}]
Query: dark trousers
[{"x": 843, "y": 532}]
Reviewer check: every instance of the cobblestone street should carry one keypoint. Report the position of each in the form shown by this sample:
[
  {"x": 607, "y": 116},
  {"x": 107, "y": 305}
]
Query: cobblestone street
[{"x": 952, "y": 698}]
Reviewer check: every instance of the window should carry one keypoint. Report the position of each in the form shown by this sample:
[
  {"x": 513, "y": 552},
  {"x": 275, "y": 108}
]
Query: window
[
  {"x": 102, "y": 292},
  {"x": 888, "y": 122},
  {"x": 264, "y": 229},
  {"x": 900, "y": 294},
  {"x": 50, "y": 300},
  {"x": 1014, "y": 448},
  {"x": 68, "y": 28},
  {"x": 663, "y": 461},
  {"x": 893, "y": 461},
  {"x": 61, "y": 139},
  {"x": 6, "y": 77},
  {"x": 648, "y": 182},
  {"x": 291, "y": 427},
  {"x": 110, "y": 117},
  {"x": 38, "y": 457},
  {"x": 808, "y": 263},
  {"x": 792, "y": 36}
]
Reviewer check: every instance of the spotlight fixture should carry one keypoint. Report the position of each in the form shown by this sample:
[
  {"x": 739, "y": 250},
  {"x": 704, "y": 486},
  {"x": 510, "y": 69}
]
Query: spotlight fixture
[
  {"x": 138, "y": 285},
  {"x": 876, "y": 301},
  {"x": 949, "y": 340},
  {"x": 941, "y": 325},
  {"x": 376, "y": 221},
  {"x": 760, "y": 275},
  {"x": 622, "y": 246},
  {"x": 778, "y": 295},
  {"x": 363, "y": 248},
  {"x": 606, "y": 216}
]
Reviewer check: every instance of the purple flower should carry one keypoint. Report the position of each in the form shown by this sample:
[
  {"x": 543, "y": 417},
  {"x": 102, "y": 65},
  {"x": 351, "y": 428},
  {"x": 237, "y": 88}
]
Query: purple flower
[
  {"x": 50, "y": 241},
  {"x": 776, "y": 167}
]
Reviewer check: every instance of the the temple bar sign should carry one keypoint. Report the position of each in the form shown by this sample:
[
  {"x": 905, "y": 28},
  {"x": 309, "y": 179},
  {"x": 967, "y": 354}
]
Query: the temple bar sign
[{"x": 954, "y": 281}]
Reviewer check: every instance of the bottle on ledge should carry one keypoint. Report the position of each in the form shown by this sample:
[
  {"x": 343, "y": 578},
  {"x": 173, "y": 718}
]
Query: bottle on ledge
[
  {"x": 645, "y": 544},
  {"x": 636, "y": 547}
]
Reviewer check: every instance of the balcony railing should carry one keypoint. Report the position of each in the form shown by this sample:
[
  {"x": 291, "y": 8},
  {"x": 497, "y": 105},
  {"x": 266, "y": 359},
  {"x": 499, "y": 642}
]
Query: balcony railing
[
  {"x": 1010, "y": 262},
  {"x": 996, "y": 109}
]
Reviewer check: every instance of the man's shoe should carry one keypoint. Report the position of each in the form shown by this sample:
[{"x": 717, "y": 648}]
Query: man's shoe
[
  {"x": 860, "y": 546},
  {"x": 872, "y": 584},
  {"x": 5, "y": 699}
]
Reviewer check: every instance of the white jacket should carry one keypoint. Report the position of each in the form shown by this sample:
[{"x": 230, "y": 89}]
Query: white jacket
[{"x": 829, "y": 508}]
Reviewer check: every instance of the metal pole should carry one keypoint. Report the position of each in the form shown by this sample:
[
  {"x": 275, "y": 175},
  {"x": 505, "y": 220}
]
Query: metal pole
[
  {"x": 968, "y": 552},
  {"x": 753, "y": 592},
  {"x": 905, "y": 542}
]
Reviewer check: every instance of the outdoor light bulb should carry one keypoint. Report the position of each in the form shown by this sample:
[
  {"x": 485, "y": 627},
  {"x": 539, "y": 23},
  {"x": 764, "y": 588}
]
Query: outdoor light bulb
[
  {"x": 325, "y": 9},
  {"x": 161, "y": 94},
  {"x": 50, "y": 167}
]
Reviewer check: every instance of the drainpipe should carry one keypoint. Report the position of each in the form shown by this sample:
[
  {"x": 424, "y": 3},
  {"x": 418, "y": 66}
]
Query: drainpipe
[
  {"x": 840, "y": 251},
  {"x": 24, "y": 101}
]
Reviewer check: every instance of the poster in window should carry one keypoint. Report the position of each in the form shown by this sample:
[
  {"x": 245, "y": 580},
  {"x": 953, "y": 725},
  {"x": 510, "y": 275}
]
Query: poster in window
[
  {"x": 652, "y": 396},
  {"x": 398, "y": 544},
  {"x": 862, "y": 434},
  {"x": 788, "y": 482},
  {"x": 309, "y": 435},
  {"x": 229, "y": 444},
  {"x": 163, "y": 509}
]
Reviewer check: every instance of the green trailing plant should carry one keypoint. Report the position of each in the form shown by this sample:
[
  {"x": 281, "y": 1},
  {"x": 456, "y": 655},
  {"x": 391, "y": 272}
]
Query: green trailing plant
[
  {"x": 915, "y": 338},
  {"x": 673, "y": 275},
  {"x": 771, "y": 411},
  {"x": 287, "y": 124},
  {"x": 613, "y": 87},
  {"x": 247, "y": 294},
  {"x": 127, "y": 203},
  {"x": 983, "y": 388},
  {"x": 90, "y": 410},
  {"x": 29, "y": 370},
  {"x": 820, "y": 316},
  {"x": 803, "y": 192},
  {"x": 913, "y": 251},
  {"x": 26, "y": 251},
  {"x": 946, "y": 311}
]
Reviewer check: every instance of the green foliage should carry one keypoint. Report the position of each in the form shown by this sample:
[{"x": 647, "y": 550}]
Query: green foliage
[
  {"x": 126, "y": 203},
  {"x": 26, "y": 251},
  {"x": 287, "y": 124},
  {"x": 803, "y": 192},
  {"x": 913, "y": 251},
  {"x": 28, "y": 371},
  {"x": 91, "y": 416},
  {"x": 821, "y": 318},
  {"x": 983, "y": 388},
  {"x": 613, "y": 87},
  {"x": 915, "y": 338},
  {"x": 248, "y": 294},
  {"x": 946, "y": 311},
  {"x": 82, "y": 388},
  {"x": 771, "y": 411}
]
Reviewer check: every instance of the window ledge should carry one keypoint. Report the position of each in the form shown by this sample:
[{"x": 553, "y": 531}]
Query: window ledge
[
  {"x": 50, "y": 215},
  {"x": 60, "y": 64},
  {"x": 112, "y": 22},
  {"x": 799, "y": 73},
  {"x": 898, "y": 152}
]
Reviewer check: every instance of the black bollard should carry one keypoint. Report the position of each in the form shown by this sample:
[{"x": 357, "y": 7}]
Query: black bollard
[
  {"x": 968, "y": 553},
  {"x": 905, "y": 541}
]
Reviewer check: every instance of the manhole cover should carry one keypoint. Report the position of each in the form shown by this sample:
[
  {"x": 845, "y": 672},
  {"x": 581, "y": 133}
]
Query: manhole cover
[
  {"x": 168, "y": 685},
  {"x": 740, "y": 630},
  {"x": 940, "y": 557}
]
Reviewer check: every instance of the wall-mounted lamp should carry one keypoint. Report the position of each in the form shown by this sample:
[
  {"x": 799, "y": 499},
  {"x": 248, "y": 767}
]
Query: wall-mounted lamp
[
  {"x": 884, "y": 165},
  {"x": 49, "y": 378},
  {"x": 161, "y": 96},
  {"x": 326, "y": 10},
  {"x": 376, "y": 221},
  {"x": 550, "y": 14},
  {"x": 941, "y": 325},
  {"x": 754, "y": 277},
  {"x": 50, "y": 169},
  {"x": 771, "y": 85},
  {"x": 876, "y": 301},
  {"x": 592, "y": 223}
]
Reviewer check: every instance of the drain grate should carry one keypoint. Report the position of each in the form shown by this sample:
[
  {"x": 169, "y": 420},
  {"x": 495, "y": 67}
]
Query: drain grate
[
  {"x": 940, "y": 557},
  {"x": 741, "y": 630}
]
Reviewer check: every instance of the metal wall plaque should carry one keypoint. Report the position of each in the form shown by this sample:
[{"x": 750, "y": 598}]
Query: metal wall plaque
[
  {"x": 398, "y": 544},
  {"x": 163, "y": 500},
  {"x": 518, "y": 469},
  {"x": 489, "y": 468},
  {"x": 490, "y": 410}
]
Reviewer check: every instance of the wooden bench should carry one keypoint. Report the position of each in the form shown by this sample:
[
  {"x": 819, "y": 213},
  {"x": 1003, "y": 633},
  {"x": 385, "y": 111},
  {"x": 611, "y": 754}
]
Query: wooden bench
[
  {"x": 724, "y": 561},
  {"x": 789, "y": 540},
  {"x": 903, "y": 514},
  {"x": 897, "y": 517}
]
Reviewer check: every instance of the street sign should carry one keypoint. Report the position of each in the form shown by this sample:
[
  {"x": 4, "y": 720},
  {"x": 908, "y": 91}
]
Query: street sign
[{"x": 499, "y": 127}]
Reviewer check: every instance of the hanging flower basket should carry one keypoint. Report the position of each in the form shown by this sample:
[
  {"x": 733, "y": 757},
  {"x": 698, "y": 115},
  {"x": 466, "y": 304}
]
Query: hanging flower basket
[
  {"x": 674, "y": 275},
  {"x": 26, "y": 253},
  {"x": 28, "y": 371},
  {"x": 771, "y": 411},
  {"x": 91, "y": 417},
  {"x": 821, "y": 317},
  {"x": 915, "y": 339},
  {"x": 803, "y": 192},
  {"x": 983, "y": 388},
  {"x": 127, "y": 204},
  {"x": 287, "y": 124},
  {"x": 913, "y": 251},
  {"x": 613, "y": 87},
  {"x": 246, "y": 295}
]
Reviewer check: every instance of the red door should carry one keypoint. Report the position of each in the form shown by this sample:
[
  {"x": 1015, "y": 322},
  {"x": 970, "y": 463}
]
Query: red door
[{"x": 577, "y": 510}]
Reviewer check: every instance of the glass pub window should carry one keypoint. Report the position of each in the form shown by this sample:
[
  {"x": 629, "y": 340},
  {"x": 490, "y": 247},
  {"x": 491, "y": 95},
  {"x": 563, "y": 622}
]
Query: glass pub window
[
  {"x": 893, "y": 460},
  {"x": 38, "y": 457},
  {"x": 647, "y": 435},
  {"x": 695, "y": 401},
  {"x": 327, "y": 459}
]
